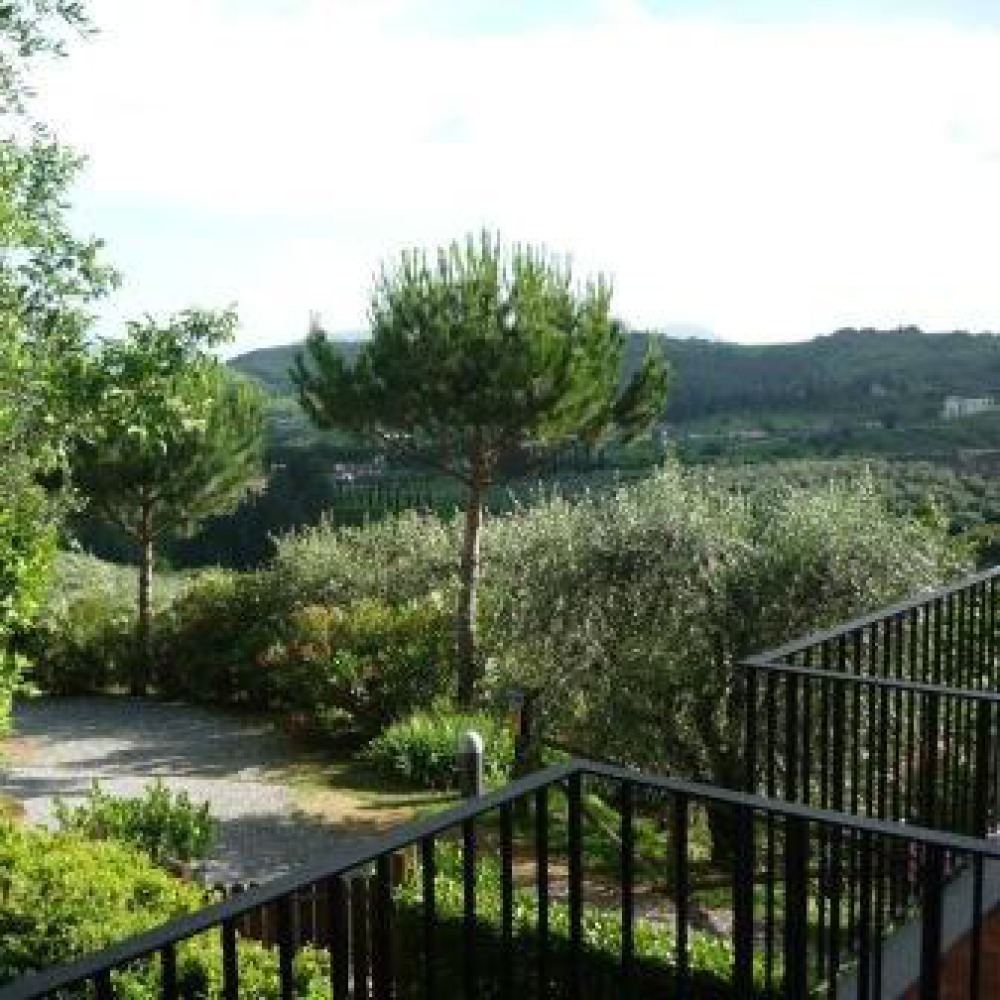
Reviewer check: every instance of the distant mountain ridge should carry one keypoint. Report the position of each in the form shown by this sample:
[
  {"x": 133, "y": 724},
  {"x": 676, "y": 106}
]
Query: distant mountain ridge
[{"x": 850, "y": 372}]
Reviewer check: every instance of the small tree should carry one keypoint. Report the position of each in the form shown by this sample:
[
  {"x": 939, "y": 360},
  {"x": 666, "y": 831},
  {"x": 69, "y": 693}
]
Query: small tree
[
  {"x": 478, "y": 354},
  {"x": 178, "y": 438}
]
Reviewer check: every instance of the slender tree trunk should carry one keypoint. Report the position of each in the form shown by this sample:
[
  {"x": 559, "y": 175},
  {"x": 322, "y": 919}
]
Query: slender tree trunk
[
  {"x": 465, "y": 621},
  {"x": 144, "y": 660}
]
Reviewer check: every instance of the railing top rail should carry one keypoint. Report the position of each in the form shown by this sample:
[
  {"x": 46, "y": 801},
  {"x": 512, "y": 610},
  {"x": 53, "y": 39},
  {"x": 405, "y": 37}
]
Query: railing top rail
[
  {"x": 873, "y": 680},
  {"x": 919, "y": 600},
  {"x": 367, "y": 851}
]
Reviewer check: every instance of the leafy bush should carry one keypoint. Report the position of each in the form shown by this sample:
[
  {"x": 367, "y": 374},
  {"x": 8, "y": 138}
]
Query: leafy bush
[
  {"x": 208, "y": 643},
  {"x": 241, "y": 639},
  {"x": 83, "y": 645},
  {"x": 423, "y": 748},
  {"x": 84, "y": 640},
  {"x": 367, "y": 664},
  {"x": 65, "y": 895},
  {"x": 163, "y": 824}
]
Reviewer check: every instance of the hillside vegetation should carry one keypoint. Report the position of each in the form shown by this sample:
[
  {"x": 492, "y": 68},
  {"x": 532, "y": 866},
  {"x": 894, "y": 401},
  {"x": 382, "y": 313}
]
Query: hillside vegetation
[{"x": 879, "y": 374}]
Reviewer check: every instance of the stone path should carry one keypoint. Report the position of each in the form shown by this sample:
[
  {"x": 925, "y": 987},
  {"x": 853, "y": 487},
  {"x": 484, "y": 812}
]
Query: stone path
[{"x": 63, "y": 744}]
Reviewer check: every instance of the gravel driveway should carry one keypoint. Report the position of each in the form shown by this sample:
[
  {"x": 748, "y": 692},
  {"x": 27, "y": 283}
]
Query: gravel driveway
[{"x": 63, "y": 744}]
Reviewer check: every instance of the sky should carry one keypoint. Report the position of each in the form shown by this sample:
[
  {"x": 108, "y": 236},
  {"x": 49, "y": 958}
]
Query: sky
[{"x": 766, "y": 170}]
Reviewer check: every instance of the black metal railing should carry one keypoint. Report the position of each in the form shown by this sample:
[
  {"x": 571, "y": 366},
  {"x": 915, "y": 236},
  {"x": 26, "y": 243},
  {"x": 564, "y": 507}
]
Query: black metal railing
[
  {"x": 895, "y": 715},
  {"x": 489, "y": 900}
]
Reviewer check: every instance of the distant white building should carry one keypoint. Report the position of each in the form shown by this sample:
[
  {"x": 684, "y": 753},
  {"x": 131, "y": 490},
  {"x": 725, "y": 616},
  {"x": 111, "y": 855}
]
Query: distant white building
[{"x": 965, "y": 406}]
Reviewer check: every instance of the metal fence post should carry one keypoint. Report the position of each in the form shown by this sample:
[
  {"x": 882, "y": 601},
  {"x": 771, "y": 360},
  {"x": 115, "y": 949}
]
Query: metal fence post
[{"x": 470, "y": 765}]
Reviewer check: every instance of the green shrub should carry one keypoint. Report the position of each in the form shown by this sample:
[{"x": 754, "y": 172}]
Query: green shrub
[
  {"x": 162, "y": 824},
  {"x": 422, "y": 748},
  {"x": 65, "y": 896},
  {"x": 359, "y": 667},
  {"x": 85, "y": 639},
  {"x": 208, "y": 644},
  {"x": 82, "y": 645}
]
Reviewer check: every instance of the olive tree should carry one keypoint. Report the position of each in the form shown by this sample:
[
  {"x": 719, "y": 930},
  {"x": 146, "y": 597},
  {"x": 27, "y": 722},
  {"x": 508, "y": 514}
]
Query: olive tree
[
  {"x": 630, "y": 614},
  {"x": 477, "y": 354}
]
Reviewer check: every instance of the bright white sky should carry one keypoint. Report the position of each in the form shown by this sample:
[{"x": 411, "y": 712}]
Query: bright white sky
[{"x": 767, "y": 177}]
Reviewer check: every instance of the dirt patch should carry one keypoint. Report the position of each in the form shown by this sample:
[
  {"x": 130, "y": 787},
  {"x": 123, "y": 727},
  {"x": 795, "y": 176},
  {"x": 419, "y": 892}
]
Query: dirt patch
[
  {"x": 19, "y": 750},
  {"x": 346, "y": 812}
]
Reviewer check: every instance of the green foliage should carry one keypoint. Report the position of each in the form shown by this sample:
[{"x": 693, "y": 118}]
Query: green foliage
[
  {"x": 177, "y": 439},
  {"x": 477, "y": 352},
  {"x": 82, "y": 646},
  {"x": 631, "y": 613},
  {"x": 422, "y": 748},
  {"x": 162, "y": 824},
  {"x": 65, "y": 896},
  {"x": 30, "y": 29},
  {"x": 84, "y": 638},
  {"x": 398, "y": 559}
]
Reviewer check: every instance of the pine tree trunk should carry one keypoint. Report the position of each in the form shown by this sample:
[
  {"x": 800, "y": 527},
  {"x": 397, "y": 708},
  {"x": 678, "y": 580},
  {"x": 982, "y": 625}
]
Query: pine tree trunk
[
  {"x": 465, "y": 622},
  {"x": 144, "y": 660}
]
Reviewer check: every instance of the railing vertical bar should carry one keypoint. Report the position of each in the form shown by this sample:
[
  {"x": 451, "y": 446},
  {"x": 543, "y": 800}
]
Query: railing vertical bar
[
  {"x": 507, "y": 901},
  {"x": 806, "y": 727},
  {"x": 865, "y": 934},
  {"x": 929, "y": 814},
  {"x": 970, "y": 758},
  {"x": 750, "y": 707},
  {"x": 796, "y": 897},
  {"x": 911, "y": 711},
  {"x": 469, "y": 971},
  {"x": 542, "y": 887},
  {"x": 382, "y": 957},
  {"x": 930, "y": 930},
  {"x": 230, "y": 963},
  {"x": 991, "y": 636},
  {"x": 897, "y": 724},
  {"x": 574, "y": 845},
  {"x": 836, "y": 894},
  {"x": 976, "y": 932},
  {"x": 791, "y": 735},
  {"x": 338, "y": 935},
  {"x": 682, "y": 892},
  {"x": 984, "y": 728},
  {"x": 937, "y": 661},
  {"x": 856, "y": 723},
  {"x": 102, "y": 985},
  {"x": 743, "y": 871},
  {"x": 627, "y": 874},
  {"x": 168, "y": 972},
  {"x": 428, "y": 876},
  {"x": 286, "y": 947},
  {"x": 769, "y": 899},
  {"x": 359, "y": 935},
  {"x": 880, "y": 923}
]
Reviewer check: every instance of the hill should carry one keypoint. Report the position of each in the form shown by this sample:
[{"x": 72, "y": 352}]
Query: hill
[
  {"x": 887, "y": 375},
  {"x": 269, "y": 365}
]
